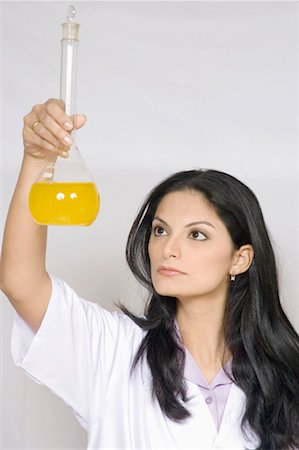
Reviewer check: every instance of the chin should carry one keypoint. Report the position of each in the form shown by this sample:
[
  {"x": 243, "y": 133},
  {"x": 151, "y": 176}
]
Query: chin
[{"x": 166, "y": 292}]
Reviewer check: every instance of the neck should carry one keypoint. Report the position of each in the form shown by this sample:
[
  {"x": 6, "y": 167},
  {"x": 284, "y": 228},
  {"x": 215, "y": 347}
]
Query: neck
[{"x": 201, "y": 328}]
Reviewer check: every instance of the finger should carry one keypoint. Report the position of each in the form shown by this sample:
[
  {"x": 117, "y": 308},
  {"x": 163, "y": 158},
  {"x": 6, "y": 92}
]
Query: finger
[
  {"x": 63, "y": 152},
  {"x": 31, "y": 139},
  {"x": 51, "y": 127},
  {"x": 41, "y": 138},
  {"x": 46, "y": 138},
  {"x": 46, "y": 125},
  {"x": 41, "y": 146},
  {"x": 79, "y": 120},
  {"x": 48, "y": 129},
  {"x": 55, "y": 109}
]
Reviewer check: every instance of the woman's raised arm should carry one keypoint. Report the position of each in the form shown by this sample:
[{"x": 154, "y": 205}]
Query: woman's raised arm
[{"x": 23, "y": 276}]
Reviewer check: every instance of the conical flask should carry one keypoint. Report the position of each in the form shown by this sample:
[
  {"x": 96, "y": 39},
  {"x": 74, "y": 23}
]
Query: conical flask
[{"x": 64, "y": 192}]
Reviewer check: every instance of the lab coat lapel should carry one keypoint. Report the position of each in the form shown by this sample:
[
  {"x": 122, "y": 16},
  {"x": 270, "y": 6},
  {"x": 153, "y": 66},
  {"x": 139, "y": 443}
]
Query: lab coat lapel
[
  {"x": 230, "y": 436},
  {"x": 200, "y": 431}
]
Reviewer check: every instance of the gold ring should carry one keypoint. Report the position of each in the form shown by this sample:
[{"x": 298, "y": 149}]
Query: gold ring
[{"x": 35, "y": 125}]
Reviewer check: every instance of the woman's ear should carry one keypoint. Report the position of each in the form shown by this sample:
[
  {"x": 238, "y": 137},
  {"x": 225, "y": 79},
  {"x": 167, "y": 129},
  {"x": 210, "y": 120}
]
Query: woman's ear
[{"x": 242, "y": 259}]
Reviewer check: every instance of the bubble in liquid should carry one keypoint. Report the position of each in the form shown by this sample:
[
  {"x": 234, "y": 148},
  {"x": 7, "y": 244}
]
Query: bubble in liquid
[{"x": 60, "y": 196}]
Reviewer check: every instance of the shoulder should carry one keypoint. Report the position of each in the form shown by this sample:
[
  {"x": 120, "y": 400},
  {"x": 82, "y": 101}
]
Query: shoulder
[{"x": 65, "y": 302}]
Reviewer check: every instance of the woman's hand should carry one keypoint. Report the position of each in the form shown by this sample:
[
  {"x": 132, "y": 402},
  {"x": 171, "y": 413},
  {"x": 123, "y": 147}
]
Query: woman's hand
[{"x": 47, "y": 130}]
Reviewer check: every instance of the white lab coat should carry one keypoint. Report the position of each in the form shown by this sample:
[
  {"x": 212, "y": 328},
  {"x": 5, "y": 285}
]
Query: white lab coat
[{"x": 84, "y": 355}]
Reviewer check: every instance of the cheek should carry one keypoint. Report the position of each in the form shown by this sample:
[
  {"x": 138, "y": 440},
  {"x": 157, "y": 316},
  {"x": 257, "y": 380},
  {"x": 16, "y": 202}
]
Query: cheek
[
  {"x": 153, "y": 249},
  {"x": 219, "y": 259},
  {"x": 152, "y": 259},
  {"x": 150, "y": 250}
]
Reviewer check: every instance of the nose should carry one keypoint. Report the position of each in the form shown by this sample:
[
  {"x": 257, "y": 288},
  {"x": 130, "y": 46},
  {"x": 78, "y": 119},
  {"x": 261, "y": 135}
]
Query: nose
[{"x": 172, "y": 248}]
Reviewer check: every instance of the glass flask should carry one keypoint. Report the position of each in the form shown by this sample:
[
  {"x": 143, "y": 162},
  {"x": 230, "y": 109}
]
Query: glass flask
[{"x": 64, "y": 192}]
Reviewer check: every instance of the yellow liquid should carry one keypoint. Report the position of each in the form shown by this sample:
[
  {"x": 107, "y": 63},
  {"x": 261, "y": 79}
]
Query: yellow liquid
[{"x": 64, "y": 203}]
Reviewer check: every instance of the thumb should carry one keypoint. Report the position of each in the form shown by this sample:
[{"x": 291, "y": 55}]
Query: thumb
[{"x": 79, "y": 120}]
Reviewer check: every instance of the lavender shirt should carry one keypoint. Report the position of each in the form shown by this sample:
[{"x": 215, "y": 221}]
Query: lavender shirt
[{"x": 214, "y": 393}]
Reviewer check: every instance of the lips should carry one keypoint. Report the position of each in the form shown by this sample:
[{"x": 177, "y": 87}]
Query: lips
[{"x": 169, "y": 271}]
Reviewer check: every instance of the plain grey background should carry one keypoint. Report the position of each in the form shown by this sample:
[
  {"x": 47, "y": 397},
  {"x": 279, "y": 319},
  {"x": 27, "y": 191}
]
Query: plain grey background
[{"x": 166, "y": 86}]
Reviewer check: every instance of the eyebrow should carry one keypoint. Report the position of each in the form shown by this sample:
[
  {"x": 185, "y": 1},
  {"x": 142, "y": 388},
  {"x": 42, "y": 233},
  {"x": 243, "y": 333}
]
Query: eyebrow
[{"x": 192, "y": 224}]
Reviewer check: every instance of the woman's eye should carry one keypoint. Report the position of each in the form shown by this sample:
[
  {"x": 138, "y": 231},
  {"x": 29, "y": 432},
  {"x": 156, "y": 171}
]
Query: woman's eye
[
  {"x": 159, "y": 231},
  {"x": 197, "y": 235}
]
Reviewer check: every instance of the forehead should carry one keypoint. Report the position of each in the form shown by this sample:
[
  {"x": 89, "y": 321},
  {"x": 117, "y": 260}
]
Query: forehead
[{"x": 187, "y": 202}]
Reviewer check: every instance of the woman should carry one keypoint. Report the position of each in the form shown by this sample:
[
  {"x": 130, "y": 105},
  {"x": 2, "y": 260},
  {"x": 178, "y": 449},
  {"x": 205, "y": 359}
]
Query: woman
[{"x": 213, "y": 363}]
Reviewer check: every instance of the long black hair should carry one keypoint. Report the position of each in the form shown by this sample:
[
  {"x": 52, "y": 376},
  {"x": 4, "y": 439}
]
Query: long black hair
[{"x": 262, "y": 341}]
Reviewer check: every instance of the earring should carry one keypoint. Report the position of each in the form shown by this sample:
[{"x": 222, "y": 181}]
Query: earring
[{"x": 233, "y": 278}]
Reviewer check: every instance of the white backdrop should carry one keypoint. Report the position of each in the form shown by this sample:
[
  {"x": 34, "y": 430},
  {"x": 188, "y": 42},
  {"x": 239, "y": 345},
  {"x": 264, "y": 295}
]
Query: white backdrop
[{"x": 166, "y": 86}]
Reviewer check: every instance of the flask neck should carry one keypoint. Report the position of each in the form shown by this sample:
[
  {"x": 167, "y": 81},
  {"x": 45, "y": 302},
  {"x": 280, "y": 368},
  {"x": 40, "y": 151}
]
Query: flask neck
[{"x": 68, "y": 74}]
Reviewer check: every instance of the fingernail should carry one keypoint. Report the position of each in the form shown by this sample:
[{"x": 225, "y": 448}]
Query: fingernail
[
  {"x": 65, "y": 154},
  {"x": 68, "y": 126},
  {"x": 67, "y": 140}
]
